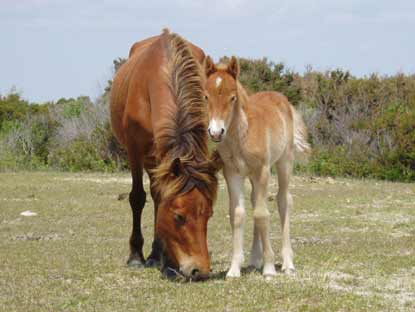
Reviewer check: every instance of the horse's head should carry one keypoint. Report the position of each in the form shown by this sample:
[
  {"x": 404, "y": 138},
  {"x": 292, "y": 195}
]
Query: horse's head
[
  {"x": 222, "y": 96},
  {"x": 186, "y": 203}
]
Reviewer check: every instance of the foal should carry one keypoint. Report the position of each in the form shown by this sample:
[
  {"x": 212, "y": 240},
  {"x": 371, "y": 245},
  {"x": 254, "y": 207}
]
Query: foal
[{"x": 252, "y": 134}]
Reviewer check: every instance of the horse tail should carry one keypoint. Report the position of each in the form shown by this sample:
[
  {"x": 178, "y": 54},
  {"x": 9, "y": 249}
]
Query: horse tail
[{"x": 300, "y": 134}]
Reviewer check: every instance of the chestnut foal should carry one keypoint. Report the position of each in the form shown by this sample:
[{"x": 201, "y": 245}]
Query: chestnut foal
[{"x": 252, "y": 134}]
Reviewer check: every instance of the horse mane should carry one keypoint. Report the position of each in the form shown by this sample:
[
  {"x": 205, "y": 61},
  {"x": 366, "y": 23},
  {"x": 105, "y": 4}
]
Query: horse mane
[{"x": 183, "y": 133}]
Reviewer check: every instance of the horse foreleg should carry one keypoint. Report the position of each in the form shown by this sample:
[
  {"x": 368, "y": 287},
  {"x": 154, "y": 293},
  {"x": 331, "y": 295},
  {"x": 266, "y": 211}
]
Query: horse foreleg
[
  {"x": 137, "y": 202},
  {"x": 262, "y": 218},
  {"x": 285, "y": 204},
  {"x": 153, "y": 259},
  {"x": 235, "y": 183}
]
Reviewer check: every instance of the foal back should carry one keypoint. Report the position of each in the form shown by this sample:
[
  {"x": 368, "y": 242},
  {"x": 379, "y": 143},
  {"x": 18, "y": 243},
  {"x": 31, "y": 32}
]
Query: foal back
[{"x": 271, "y": 129}]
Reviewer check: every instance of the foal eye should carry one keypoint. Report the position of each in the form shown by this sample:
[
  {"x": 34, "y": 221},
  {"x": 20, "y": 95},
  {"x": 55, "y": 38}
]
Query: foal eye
[{"x": 180, "y": 220}]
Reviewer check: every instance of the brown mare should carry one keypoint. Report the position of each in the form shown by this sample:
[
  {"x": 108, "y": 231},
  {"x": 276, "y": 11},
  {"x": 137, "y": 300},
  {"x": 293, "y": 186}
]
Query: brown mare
[
  {"x": 252, "y": 134},
  {"x": 158, "y": 113}
]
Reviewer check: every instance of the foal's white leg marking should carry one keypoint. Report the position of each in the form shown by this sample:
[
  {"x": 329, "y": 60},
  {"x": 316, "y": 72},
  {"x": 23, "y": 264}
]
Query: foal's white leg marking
[
  {"x": 255, "y": 259},
  {"x": 218, "y": 82},
  {"x": 235, "y": 184},
  {"x": 285, "y": 204},
  {"x": 262, "y": 218}
]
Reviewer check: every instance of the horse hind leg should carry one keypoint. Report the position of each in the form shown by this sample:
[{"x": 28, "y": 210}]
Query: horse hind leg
[
  {"x": 255, "y": 259},
  {"x": 262, "y": 219},
  {"x": 285, "y": 204}
]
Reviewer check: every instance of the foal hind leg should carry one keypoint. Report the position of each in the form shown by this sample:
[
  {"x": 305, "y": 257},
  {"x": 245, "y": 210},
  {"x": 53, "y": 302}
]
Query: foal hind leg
[
  {"x": 137, "y": 202},
  {"x": 262, "y": 218},
  {"x": 285, "y": 204},
  {"x": 235, "y": 183},
  {"x": 255, "y": 259},
  {"x": 153, "y": 259}
]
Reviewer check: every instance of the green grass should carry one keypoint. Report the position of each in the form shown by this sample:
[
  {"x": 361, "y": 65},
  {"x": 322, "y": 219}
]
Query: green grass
[{"x": 354, "y": 242}]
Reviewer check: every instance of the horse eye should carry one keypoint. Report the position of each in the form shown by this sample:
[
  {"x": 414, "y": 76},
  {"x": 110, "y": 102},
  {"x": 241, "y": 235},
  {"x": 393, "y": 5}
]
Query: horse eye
[
  {"x": 180, "y": 220},
  {"x": 233, "y": 98},
  {"x": 206, "y": 97}
]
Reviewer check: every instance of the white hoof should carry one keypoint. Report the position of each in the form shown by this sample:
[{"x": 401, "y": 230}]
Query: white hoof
[
  {"x": 233, "y": 273},
  {"x": 269, "y": 270},
  {"x": 288, "y": 271}
]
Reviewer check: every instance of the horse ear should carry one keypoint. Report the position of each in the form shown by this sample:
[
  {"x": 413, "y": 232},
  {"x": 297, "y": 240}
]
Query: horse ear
[
  {"x": 233, "y": 68},
  {"x": 216, "y": 162},
  {"x": 209, "y": 66},
  {"x": 176, "y": 167}
]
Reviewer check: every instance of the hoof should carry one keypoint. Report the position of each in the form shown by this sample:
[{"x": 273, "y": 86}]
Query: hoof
[
  {"x": 269, "y": 277},
  {"x": 251, "y": 268},
  {"x": 233, "y": 274},
  {"x": 269, "y": 271},
  {"x": 289, "y": 271},
  {"x": 135, "y": 263},
  {"x": 152, "y": 263}
]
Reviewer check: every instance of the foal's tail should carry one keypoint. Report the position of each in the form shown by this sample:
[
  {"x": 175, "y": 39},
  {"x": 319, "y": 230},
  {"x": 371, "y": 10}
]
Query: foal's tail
[{"x": 300, "y": 134}]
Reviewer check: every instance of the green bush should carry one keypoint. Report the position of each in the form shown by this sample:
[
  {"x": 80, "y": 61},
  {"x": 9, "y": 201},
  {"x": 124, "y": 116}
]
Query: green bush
[{"x": 80, "y": 155}]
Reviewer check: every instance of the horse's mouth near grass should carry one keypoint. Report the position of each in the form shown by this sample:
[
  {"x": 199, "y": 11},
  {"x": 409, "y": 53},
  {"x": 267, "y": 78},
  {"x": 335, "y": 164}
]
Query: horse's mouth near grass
[{"x": 177, "y": 276}]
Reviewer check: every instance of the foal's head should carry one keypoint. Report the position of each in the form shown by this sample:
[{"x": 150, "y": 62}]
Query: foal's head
[
  {"x": 188, "y": 190},
  {"x": 222, "y": 96}
]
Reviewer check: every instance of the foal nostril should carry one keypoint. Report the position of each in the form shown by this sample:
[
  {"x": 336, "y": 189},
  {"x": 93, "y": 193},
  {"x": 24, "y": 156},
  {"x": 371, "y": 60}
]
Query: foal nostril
[
  {"x": 195, "y": 273},
  {"x": 222, "y": 131}
]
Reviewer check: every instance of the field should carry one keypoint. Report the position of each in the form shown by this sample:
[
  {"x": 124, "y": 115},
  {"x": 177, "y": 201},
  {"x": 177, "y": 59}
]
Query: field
[{"x": 354, "y": 242}]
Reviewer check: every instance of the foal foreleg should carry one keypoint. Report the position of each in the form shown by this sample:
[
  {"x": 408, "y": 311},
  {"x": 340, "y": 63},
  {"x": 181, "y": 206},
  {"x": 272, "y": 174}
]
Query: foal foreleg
[
  {"x": 262, "y": 219},
  {"x": 235, "y": 184}
]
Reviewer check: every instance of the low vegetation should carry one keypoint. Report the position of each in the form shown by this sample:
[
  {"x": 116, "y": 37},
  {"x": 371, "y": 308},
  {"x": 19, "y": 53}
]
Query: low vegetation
[{"x": 354, "y": 244}]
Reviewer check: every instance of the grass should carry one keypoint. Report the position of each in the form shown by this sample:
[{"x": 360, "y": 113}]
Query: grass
[{"x": 354, "y": 242}]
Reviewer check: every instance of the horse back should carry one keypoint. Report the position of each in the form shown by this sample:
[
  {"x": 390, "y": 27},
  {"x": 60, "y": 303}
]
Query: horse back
[{"x": 138, "y": 89}]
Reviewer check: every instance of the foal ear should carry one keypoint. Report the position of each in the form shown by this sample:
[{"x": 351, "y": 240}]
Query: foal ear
[
  {"x": 216, "y": 162},
  {"x": 209, "y": 66},
  {"x": 233, "y": 67},
  {"x": 176, "y": 167}
]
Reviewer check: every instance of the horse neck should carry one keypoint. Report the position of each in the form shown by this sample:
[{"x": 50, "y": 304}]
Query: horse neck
[{"x": 238, "y": 128}]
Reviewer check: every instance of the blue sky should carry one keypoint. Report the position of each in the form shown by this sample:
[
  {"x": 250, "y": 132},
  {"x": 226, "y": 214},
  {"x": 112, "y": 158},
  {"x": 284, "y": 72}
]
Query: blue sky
[{"x": 64, "y": 48}]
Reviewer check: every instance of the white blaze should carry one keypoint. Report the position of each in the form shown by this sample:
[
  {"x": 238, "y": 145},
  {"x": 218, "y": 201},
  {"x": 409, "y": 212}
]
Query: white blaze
[{"x": 218, "y": 82}]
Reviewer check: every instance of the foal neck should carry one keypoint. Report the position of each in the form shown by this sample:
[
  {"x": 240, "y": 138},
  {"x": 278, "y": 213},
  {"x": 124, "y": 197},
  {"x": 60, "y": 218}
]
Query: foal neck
[{"x": 238, "y": 128}]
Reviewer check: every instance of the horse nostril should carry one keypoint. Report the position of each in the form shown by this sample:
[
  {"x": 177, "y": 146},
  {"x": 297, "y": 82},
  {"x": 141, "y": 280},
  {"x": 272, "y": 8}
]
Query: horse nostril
[
  {"x": 195, "y": 272},
  {"x": 222, "y": 131}
]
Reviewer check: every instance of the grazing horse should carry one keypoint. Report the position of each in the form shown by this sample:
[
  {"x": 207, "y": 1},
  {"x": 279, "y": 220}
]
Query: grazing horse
[
  {"x": 252, "y": 134},
  {"x": 159, "y": 114}
]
